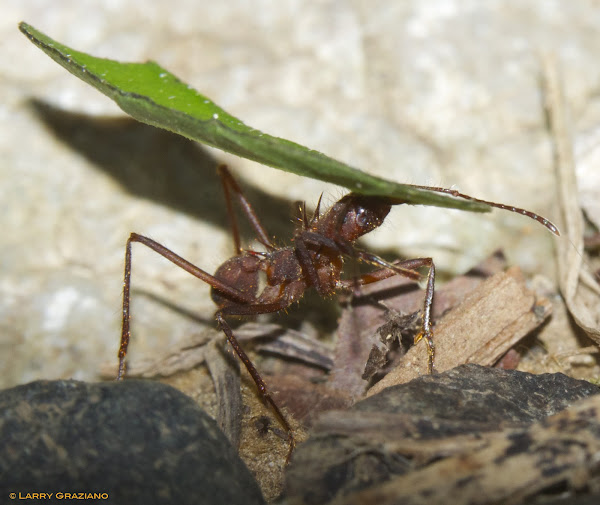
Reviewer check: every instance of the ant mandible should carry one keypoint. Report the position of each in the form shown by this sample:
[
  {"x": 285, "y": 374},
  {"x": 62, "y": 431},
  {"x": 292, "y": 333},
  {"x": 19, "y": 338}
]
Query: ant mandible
[{"x": 315, "y": 260}]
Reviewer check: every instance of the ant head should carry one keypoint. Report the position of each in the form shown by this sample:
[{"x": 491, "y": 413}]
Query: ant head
[{"x": 361, "y": 215}]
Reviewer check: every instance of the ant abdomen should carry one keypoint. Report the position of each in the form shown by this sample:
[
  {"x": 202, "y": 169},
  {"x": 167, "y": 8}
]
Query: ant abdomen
[{"x": 241, "y": 272}]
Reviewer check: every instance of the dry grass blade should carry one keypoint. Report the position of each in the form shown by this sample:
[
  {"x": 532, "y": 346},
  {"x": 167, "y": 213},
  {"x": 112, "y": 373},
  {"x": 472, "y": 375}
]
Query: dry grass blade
[
  {"x": 581, "y": 292},
  {"x": 225, "y": 372},
  {"x": 193, "y": 352}
]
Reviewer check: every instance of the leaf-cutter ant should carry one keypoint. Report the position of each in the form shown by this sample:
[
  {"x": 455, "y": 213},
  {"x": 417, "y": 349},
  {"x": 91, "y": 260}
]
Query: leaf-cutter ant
[{"x": 315, "y": 260}]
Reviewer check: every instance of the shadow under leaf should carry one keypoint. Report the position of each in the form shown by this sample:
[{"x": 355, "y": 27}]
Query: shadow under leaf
[{"x": 160, "y": 166}]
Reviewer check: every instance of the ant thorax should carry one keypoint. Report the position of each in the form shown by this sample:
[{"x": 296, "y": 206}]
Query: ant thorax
[{"x": 282, "y": 267}]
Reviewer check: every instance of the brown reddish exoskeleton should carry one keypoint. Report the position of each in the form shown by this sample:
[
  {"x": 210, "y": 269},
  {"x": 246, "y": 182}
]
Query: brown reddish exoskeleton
[{"x": 315, "y": 260}]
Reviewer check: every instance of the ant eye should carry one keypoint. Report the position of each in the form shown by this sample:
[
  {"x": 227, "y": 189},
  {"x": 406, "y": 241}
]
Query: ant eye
[{"x": 362, "y": 216}]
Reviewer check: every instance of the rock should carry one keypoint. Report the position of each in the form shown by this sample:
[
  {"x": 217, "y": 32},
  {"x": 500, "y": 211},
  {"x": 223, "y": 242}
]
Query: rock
[
  {"x": 407, "y": 427},
  {"x": 476, "y": 394},
  {"x": 135, "y": 441}
]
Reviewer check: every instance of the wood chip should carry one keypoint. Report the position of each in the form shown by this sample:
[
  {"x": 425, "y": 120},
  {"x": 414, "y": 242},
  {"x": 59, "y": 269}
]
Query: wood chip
[
  {"x": 502, "y": 467},
  {"x": 491, "y": 320}
]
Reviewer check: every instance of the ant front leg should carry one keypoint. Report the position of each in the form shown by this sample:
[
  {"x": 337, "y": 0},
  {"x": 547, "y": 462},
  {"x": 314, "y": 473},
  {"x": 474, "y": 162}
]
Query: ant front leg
[
  {"x": 407, "y": 269},
  {"x": 426, "y": 331},
  {"x": 225, "y": 289}
]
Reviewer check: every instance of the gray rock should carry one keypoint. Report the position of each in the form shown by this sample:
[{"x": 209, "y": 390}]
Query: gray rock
[
  {"x": 489, "y": 397},
  {"x": 137, "y": 441},
  {"x": 362, "y": 447}
]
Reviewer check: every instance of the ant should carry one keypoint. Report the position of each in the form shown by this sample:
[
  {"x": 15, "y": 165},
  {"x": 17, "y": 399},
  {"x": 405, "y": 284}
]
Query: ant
[{"x": 315, "y": 260}]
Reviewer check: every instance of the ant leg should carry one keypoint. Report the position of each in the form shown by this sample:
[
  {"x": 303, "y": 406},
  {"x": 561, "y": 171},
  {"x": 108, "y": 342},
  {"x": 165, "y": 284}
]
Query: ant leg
[
  {"x": 229, "y": 185},
  {"x": 285, "y": 300},
  {"x": 426, "y": 331},
  {"x": 258, "y": 380},
  {"x": 400, "y": 267},
  {"x": 229, "y": 291},
  {"x": 403, "y": 268},
  {"x": 306, "y": 263}
]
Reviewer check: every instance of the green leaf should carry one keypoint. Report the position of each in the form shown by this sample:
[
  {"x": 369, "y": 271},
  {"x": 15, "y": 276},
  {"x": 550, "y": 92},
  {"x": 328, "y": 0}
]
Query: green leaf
[{"x": 154, "y": 96}]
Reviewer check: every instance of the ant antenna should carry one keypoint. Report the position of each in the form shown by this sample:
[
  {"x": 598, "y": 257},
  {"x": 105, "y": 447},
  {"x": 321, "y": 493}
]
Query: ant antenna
[{"x": 542, "y": 220}]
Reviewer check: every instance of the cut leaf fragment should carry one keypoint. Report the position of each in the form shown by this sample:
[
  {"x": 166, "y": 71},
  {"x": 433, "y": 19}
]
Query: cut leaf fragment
[{"x": 154, "y": 96}]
